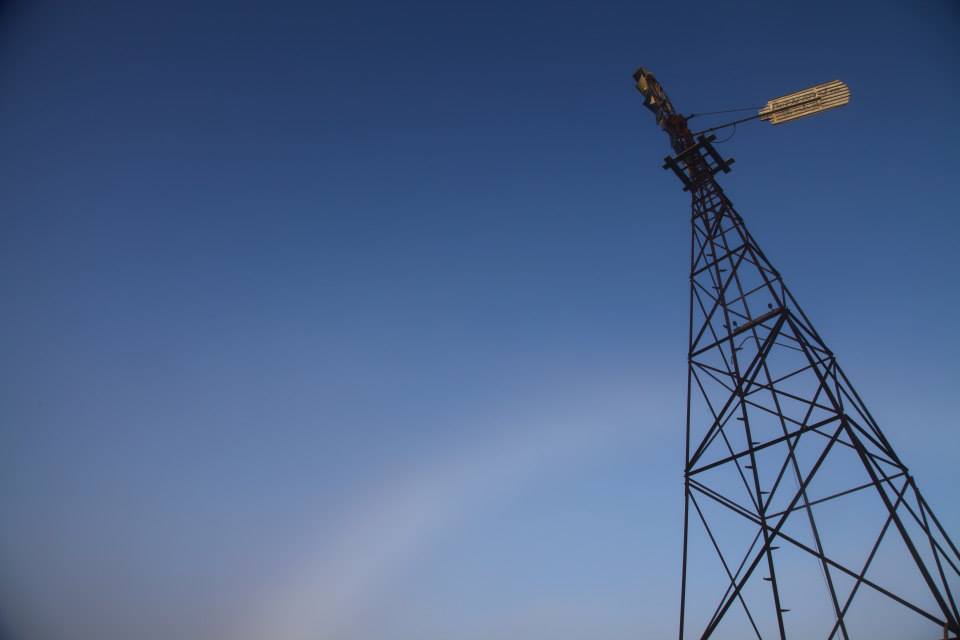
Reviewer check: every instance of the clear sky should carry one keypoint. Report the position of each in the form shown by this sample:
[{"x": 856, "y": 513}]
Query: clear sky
[{"x": 367, "y": 321}]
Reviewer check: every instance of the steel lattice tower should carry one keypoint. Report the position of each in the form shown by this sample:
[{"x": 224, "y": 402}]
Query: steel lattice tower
[{"x": 807, "y": 518}]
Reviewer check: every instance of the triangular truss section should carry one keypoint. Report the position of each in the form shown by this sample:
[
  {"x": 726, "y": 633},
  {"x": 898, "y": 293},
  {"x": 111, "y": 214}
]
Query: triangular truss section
[
  {"x": 777, "y": 434},
  {"x": 800, "y": 518}
]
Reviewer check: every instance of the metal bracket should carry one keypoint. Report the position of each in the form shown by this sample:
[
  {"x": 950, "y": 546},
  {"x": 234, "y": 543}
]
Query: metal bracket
[{"x": 698, "y": 163}]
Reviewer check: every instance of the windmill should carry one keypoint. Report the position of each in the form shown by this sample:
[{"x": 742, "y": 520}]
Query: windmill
[{"x": 800, "y": 519}]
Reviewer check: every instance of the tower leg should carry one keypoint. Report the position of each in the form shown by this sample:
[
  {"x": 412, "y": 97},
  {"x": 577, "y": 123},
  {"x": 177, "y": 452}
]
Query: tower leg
[{"x": 683, "y": 563}]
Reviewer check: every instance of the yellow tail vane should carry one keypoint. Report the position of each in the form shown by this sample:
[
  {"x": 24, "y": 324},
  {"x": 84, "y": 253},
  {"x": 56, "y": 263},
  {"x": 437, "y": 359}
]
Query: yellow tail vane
[{"x": 807, "y": 102}]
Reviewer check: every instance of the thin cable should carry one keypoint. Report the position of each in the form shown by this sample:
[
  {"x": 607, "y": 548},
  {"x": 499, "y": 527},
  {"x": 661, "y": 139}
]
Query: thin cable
[
  {"x": 729, "y": 124},
  {"x": 713, "y": 113},
  {"x": 732, "y": 133}
]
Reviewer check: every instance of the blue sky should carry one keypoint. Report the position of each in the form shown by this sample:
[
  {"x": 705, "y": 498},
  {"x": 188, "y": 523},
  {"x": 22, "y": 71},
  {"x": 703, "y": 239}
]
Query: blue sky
[{"x": 368, "y": 321}]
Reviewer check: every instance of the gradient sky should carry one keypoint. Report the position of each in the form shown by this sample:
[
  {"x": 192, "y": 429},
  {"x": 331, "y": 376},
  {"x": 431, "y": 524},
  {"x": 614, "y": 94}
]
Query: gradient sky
[{"x": 367, "y": 321}]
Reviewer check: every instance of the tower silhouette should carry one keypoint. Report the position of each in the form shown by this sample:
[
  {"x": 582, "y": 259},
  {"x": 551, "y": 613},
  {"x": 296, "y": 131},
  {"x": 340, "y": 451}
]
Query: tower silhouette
[{"x": 800, "y": 519}]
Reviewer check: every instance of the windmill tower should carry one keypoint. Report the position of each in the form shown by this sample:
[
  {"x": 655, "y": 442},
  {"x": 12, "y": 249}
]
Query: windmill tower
[{"x": 800, "y": 519}]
